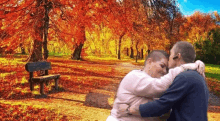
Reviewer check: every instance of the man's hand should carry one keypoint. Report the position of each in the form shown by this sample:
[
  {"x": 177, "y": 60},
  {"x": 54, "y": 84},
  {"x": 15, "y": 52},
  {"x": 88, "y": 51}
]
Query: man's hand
[
  {"x": 122, "y": 110},
  {"x": 126, "y": 110},
  {"x": 165, "y": 116},
  {"x": 134, "y": 110}
]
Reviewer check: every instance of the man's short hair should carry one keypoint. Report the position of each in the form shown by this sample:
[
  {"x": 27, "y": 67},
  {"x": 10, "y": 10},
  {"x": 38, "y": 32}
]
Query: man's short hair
[
  {"x": 186, "y": 50},
  {"x": 156, "y": 55}
]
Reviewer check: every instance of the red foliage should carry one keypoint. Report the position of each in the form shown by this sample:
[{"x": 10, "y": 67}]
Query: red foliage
[
  {"x": 214, "y": 85},
  {"x": 27, "y": 113}
]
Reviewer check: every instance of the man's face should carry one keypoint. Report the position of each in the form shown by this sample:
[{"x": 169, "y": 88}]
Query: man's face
[
  {"x": 172, "y": 62},
  {"x": 159, "y": 68}
]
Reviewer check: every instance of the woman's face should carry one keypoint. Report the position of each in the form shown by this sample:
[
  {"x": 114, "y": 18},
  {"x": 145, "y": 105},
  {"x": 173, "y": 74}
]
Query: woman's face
[{"x": 158, "y": 68}]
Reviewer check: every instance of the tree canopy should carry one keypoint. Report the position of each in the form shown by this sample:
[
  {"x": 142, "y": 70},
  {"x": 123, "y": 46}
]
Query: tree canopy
[{"x": 147, "y": 24}]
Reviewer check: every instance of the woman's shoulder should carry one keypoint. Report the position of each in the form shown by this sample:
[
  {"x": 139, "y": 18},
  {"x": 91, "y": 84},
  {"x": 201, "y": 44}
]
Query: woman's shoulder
[{"x": 138, "y": 73}]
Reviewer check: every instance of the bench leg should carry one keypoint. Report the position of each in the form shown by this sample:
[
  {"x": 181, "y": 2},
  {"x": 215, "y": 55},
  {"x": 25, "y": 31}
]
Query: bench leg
[
  {"x": 56, "y": 84},
  {"x": 31, "y": 85},
  {"x": 41, "y": 88},
  {"x": 47, "y": 82}
]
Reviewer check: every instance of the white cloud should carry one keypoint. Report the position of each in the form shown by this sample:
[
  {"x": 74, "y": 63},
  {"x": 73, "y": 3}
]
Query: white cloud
[{"x": 185, "y": 1}]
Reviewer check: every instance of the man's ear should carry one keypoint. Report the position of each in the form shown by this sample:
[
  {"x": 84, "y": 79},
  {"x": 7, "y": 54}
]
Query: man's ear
[{"x": 179, "y": 56}]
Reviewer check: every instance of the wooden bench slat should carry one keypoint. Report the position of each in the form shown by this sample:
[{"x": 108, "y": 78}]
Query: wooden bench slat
[
  {"x": 36, "y": 66},
  {"x": 46, "y": 77}
]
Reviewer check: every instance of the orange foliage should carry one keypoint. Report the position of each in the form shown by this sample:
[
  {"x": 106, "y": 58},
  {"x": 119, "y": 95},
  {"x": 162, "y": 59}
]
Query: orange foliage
[
  {"x": 197, "y": 26},
  {"x": 17, "y": 112},
  {"x": 214, "y": 85},
  {"x": 68, "y": 20}
]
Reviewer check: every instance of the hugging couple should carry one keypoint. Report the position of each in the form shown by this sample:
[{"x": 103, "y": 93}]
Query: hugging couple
[{"x": 171, "y": 88}]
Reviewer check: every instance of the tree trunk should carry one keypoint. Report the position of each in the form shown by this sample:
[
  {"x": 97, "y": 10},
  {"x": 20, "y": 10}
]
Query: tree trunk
[
  {"x": 119, "y": 45},
  {"x": 148, "y": 51},
  {"x": 47, "y": 7},
  {"x": 132, "y": 53},
  {"x": 36, "y": 50},
  {"x": 119, "y": 49},
  {"x": 22, "y": 49},
  {"x": 77, "y": 52},
  {"x": 137, "y": 51},
  {"x": 81, "y": 39},
  {"x": 116, "y": 50},
  {"x": 142, "y": 53},
  {"x": 127, "y": 52}
]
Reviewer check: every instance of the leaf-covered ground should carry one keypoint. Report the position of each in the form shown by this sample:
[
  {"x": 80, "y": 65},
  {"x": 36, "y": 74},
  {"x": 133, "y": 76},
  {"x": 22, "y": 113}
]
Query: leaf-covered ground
[{"x": 86, "y": 90}]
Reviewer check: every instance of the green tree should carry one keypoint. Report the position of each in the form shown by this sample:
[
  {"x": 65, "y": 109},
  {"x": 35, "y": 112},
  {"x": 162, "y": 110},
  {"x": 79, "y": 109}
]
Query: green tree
[{"x": 209, "y": 50}]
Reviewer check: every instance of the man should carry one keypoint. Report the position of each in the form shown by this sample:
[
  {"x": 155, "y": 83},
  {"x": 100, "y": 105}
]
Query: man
[
  {"x": 187, "y": 96},
  {"x": 138, "y": 86}
]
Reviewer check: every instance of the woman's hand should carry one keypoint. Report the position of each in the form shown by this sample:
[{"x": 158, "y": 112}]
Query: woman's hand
[
  {"x": 198, "y": 66},
  {"x": 201, "y": 67}
]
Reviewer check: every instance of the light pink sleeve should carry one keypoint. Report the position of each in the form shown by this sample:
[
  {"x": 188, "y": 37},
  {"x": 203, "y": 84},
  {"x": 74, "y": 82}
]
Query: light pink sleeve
[{"x": 149, "y": 87}]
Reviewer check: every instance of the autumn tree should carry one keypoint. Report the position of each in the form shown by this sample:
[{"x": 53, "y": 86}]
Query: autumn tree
[
  {"x": 127, "y": 18},
  {"x": 197, "y": 27},
  {"x": 30, "y": 19},
  {"x": 118, "y": 20},
  {"x": 165, "y": 17},
  {"x": 34, "y": 18},
  {"x": 216, "y": 17},
  {"x": 77, "y": 18}
]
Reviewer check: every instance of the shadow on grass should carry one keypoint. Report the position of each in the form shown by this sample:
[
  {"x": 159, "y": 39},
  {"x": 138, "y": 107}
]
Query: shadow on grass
[
  {"x": 83, "y": 62},
  {"x": 97, "y": 100},
  {"x": 49, "y": 97},
  {"x": 79, "y": 86},
  {"x": 15, "y": 91},
  {"x": 92, "y": 99},
  {"x": 84, "y": 72},
  {"x": 52, "y": 91}
]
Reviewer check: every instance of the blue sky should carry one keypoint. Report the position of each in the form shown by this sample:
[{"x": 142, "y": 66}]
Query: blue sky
[{"x": 188, "y": 7}]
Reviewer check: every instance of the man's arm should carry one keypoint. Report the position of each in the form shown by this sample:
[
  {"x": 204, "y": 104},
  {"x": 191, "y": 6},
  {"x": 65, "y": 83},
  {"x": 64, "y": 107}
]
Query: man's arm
[{"x": 175, "y": 93}]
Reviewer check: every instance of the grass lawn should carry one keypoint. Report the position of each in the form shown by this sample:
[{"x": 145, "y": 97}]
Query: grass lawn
[{"x": 212, "y": 71}]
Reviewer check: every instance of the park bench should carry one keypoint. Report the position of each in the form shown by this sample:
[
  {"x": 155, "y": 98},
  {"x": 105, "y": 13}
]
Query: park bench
[{"x": 44, "y": 78}]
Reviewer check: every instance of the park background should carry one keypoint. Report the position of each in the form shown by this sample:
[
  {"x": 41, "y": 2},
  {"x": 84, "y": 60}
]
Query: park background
[{"x": 93, "y": 44}]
